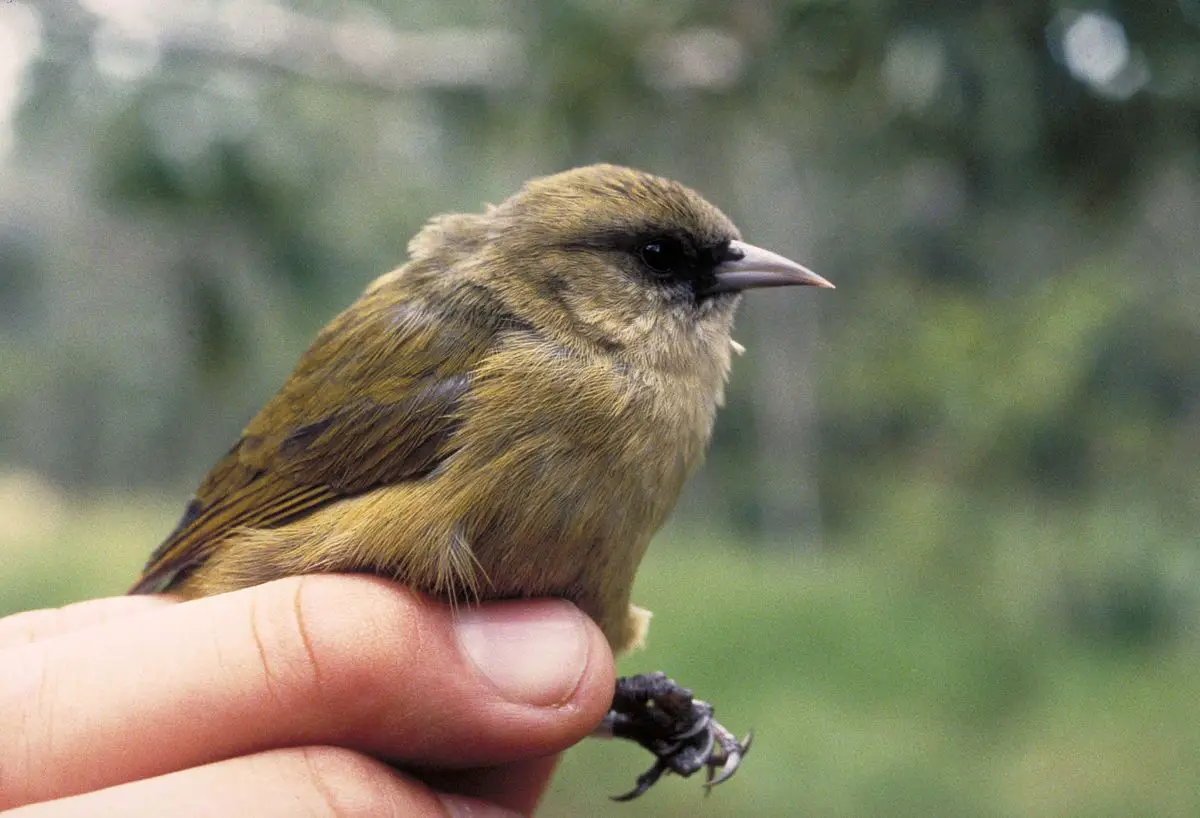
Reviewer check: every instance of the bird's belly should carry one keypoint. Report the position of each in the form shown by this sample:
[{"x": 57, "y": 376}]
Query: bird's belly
[
  {"x": 565, "y": 522},
  {"x": 560, "y": 512}
]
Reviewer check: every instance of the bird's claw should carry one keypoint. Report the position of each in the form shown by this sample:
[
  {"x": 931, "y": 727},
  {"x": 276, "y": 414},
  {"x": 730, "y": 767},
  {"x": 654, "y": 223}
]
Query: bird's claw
[{"x": 676, "y": 728}]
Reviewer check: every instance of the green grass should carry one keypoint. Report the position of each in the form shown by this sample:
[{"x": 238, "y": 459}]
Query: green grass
[
  {"x": 873, "y": 699},
  {"x": 869, "y": 694}
]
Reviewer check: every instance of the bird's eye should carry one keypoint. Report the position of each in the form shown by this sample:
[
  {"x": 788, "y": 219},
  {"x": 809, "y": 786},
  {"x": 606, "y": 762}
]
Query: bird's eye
[{"x": 665, "y": 256}]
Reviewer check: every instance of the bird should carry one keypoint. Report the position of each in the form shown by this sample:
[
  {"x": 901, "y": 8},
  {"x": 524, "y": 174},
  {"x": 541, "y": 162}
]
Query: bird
[{"x": 512, "y": 413}]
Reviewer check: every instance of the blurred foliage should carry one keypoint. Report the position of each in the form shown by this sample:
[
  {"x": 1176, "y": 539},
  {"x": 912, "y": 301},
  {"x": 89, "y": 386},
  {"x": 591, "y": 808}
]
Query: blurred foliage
[{"x": 963, "y": 485}]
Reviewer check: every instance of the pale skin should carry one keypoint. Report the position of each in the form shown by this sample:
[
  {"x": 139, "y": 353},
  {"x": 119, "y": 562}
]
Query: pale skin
[{"x": 316, "y": 695}]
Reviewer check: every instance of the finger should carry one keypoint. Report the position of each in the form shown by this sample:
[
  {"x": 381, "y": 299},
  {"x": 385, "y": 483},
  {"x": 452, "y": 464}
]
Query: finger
[
  {"x": 346, "y": 661},
  {"x": 301, "y": 781},
  {"x": 518, "y": 786},
  {"x": 30, "y": 626}
]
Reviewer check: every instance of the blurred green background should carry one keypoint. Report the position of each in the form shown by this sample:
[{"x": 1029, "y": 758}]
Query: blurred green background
[{"x": 943, "y": 556}]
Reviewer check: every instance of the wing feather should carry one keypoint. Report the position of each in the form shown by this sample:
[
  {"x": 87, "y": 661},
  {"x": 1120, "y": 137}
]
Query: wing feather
[{"x": 374, "y": 401}]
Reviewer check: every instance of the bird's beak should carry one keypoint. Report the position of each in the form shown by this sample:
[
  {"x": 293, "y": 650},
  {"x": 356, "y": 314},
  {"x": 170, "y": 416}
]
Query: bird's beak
[{"x": 746, "y": 267}]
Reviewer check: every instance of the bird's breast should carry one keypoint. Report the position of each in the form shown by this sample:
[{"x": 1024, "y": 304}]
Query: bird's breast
[{"x": 567, "y": 466}]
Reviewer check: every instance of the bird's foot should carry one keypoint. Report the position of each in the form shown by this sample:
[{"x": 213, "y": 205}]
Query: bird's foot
[{"x": 676, "y": 728}]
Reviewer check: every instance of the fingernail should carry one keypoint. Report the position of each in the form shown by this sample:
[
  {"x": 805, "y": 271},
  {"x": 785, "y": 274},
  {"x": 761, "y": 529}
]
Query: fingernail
[
  {"x": 533, "y": 652},
  {"x": 459, "y": 807}
]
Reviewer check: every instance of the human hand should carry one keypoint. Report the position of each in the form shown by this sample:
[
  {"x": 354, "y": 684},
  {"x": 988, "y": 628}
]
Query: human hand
[{"x": 288, "y": 698}]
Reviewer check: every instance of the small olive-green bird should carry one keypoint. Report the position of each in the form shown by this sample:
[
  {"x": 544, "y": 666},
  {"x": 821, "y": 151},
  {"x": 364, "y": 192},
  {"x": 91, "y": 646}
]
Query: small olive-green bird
[{"x": 510, "y": 414}]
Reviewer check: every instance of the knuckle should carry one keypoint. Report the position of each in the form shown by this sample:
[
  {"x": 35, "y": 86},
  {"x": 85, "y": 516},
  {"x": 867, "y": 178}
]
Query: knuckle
[
  {"x": 333, "y": 638},
  {"x": 290, "y": 667},
  {"x": 344, "y": 784}
]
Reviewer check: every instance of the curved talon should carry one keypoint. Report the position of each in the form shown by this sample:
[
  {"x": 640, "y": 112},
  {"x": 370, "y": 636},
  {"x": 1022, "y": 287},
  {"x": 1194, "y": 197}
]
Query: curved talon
[
  {"x": 733, "y": 760},
  {"x": 644, "y": 782},
  {"x": 727, "y": 770}
]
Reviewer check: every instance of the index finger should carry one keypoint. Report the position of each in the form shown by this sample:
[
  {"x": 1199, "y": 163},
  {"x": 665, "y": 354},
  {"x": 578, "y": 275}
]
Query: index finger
[{"x": 321, "y": 660}]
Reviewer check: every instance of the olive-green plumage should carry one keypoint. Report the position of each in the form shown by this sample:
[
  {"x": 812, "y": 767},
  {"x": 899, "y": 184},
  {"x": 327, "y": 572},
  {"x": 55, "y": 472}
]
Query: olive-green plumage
[{"x": 510, "y": 414}]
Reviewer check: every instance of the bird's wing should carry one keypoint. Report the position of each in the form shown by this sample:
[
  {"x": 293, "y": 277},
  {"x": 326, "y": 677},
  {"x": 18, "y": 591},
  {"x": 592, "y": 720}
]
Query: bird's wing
[{"x": 373, "y": 402}]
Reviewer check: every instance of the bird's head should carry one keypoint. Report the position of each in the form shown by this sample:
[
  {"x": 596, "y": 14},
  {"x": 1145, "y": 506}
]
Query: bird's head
[{"x": 615, "y": 258}]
